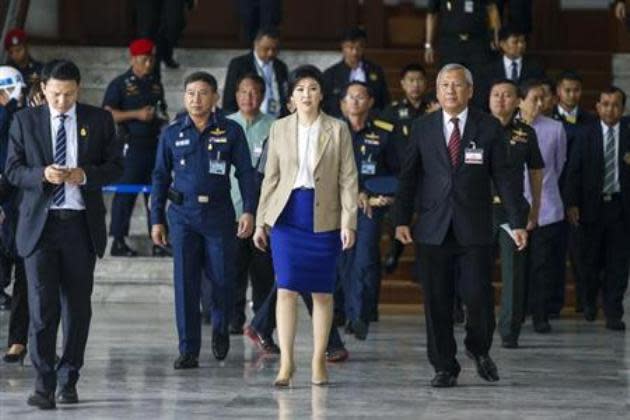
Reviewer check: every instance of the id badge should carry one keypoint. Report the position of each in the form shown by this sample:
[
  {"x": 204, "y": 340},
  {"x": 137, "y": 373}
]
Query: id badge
[
  {"x": 469, "y": 6},
  {"x": 217, "y": 166},
  {"x": 473, "y": 155},
  {"x": 368, "y": 168},
  {"x": 273, "y": 107},
  {"x": 257, "y": 152}
]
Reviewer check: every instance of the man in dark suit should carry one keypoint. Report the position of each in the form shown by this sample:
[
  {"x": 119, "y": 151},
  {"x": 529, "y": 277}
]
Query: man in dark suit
[
  {"x": 60, "y": 155},
  {"x": 513, "y": 64},
  {"x": 262, "y": 60},
  {"x": 453, "y": 158},
  {"x": 598, "y": 199},
  {"x": 354, "y": 67},
  {"x": 574, "y": 119}
]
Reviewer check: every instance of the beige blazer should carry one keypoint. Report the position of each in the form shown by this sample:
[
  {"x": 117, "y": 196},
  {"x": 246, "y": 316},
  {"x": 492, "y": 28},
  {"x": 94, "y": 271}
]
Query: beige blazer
[{"x": 335, "y": 174}]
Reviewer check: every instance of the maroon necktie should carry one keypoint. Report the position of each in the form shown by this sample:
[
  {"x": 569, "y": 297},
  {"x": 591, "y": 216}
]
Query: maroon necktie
[{"x": 454, "y": 143}]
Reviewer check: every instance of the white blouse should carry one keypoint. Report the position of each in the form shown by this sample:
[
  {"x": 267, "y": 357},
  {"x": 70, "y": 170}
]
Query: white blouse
[{"x": 307, "y": 137}]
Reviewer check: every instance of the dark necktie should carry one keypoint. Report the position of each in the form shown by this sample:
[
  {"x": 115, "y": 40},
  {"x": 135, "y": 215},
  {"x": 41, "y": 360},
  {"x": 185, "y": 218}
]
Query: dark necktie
[
  {"x": 454, "y": 143},
  {"x": 59, "y": 193},
  {"x": 610, "y": 156},
  {"x": 514, "y": 75}
]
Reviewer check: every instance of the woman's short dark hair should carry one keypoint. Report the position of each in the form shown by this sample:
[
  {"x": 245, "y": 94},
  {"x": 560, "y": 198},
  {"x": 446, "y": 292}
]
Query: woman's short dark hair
[
  {"x": 64, "y": 70},
  {"x": 201, "y": 76},
  {"x": 259, "y": 81},
  {"x": 525, "y": 87},
  {"x": 305, "y": 72}
]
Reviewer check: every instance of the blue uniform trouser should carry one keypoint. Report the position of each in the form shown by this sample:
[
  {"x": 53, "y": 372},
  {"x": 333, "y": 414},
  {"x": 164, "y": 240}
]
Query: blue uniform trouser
[
  {"x": 264, "y": 321},
  {"x": 139, "y": 162},
  {"x": 196, "y": 248},
  {"x": 362, "y": 281}
]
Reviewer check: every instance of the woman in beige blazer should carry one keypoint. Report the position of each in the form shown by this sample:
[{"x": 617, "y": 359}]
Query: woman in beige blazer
[{"x": 309, "y": 201}]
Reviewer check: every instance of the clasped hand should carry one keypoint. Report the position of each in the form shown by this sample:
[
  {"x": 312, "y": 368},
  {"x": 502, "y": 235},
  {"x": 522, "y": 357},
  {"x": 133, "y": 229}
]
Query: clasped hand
[{"x": 57, "y": 175}]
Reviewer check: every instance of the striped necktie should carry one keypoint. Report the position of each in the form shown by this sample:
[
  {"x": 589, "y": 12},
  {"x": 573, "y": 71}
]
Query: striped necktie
[
  {"x": 59, "y": 193},
  {"x": 610, "y": 156},
  {"x": 454, "y": 143}
]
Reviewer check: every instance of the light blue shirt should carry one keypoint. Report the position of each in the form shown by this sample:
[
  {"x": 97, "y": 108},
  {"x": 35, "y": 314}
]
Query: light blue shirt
[{"x": 256, "y": 132}]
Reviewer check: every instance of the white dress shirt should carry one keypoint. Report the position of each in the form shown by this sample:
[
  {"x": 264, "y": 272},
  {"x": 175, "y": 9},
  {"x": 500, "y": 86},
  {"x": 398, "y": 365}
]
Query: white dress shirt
[
  {"x": 358, "y": 74},
  {"x": 449, "y": 126},
  {"x": 564, "y": 113},
  {"x": 271, "y": 86},
  {"x": 507, "y": 65},
  {"x": 73, "y": 197},
  {"x": 615, "y": 128},
  {"x": 307, "y": 145}
]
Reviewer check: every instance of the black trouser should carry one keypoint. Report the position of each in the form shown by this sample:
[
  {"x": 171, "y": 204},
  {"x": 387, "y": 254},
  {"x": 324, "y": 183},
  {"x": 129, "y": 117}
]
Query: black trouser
[
  {"x": 257, "y": 266},
  {"x": 18, "y": 321},
  {"x": 574, "y": 245},
  {"x": 439, "y": 266},
  {"x": 543, "y": 269},
  {"x": 606, "y": 259},
  {"x": 163, "y": 21},
  {"x": 257, "y": 14},
  {"x": 60, "y": 274},
  {"x": 139, "y": 162}
]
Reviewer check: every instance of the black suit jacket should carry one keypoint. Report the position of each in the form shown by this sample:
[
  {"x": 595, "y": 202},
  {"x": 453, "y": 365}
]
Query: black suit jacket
[
  {"x": 244, "y": 64},
  {"x": 495, "y": 70},
  {"x": 461, "y": 197},
  {"x": 338, "y": 76},
  {"x": 30, "y": 151},
  {"x": 585, "y": 172}
]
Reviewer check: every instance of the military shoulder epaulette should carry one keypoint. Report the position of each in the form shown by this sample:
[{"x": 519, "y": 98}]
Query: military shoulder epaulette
[{"x": 384, "y": 125}]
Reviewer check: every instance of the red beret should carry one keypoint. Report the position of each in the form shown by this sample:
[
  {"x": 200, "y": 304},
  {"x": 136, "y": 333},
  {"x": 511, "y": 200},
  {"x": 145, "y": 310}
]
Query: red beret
[
  {"x": 142, "y": 46},
  {"x": 14, "y": 37}
]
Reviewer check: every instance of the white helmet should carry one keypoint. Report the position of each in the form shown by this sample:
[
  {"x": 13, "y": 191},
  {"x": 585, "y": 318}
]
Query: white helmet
[{"x": 11, "y": 81}]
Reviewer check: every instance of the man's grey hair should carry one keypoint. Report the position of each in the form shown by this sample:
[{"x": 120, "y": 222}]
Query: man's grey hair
[{"x": 452, "y": 67}]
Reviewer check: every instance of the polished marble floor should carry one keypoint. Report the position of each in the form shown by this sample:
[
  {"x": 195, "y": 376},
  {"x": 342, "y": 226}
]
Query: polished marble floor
[{"x": 579, "y": 371}]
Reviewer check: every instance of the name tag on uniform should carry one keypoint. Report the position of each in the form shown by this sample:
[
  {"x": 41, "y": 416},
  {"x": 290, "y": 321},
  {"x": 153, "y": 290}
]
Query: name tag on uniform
[
  {"x": 473, "y": 155},
  {"x": 469, "y": 6},
  {"x": 182, "y": 143},
  {"x": 368, "y": 168},
  {"x": 219, "y": 140},
  {"x": 217, "y": 166}
]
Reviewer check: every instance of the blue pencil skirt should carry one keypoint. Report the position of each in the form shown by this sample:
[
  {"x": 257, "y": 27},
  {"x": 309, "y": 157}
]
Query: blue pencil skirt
[{"x": 304, "y": 261}]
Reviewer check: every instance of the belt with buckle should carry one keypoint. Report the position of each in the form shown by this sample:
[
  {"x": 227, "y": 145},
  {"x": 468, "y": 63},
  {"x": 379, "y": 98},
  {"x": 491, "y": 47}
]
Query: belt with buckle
[
  {"x": 65, "y": 214},
  {"x": 607, "y": 198}
]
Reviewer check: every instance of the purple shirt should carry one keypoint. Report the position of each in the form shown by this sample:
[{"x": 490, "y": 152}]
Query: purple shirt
[{"x": 552, "y": 141}]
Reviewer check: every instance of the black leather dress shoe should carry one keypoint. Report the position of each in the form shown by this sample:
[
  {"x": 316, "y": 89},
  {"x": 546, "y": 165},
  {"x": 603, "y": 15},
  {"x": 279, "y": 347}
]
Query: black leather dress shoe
[
  {"x": 5, "y": 301},
  {"x": 121, "y": 249},
  {"x": 509, "y": 343},
  {"x": 486, "y": 368},
  {"x": 360, "y": 329},
  {"x": 542, "y": 327},
  {"x": 186, "y": 361},
  {"x": 444, "y": 379},
  {"x": 615, "y": 325},
  {"x": 391, "y": 264},
  {"x": 42, "y": 401},
  {"x": 220, "y": 345},
  {"x": 590, "y": 313},
  {"x": 162, "y": 251},
  {"x": 264, "y": 344},
  {"x": 236, "y": 329},
  {"x": 68, "y": 395},
  {"x": 349, "y": 328}
]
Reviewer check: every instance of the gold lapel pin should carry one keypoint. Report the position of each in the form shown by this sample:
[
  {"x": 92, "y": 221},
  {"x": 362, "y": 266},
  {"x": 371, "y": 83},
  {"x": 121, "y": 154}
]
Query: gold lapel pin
[{"x": 83, "y": 132}]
